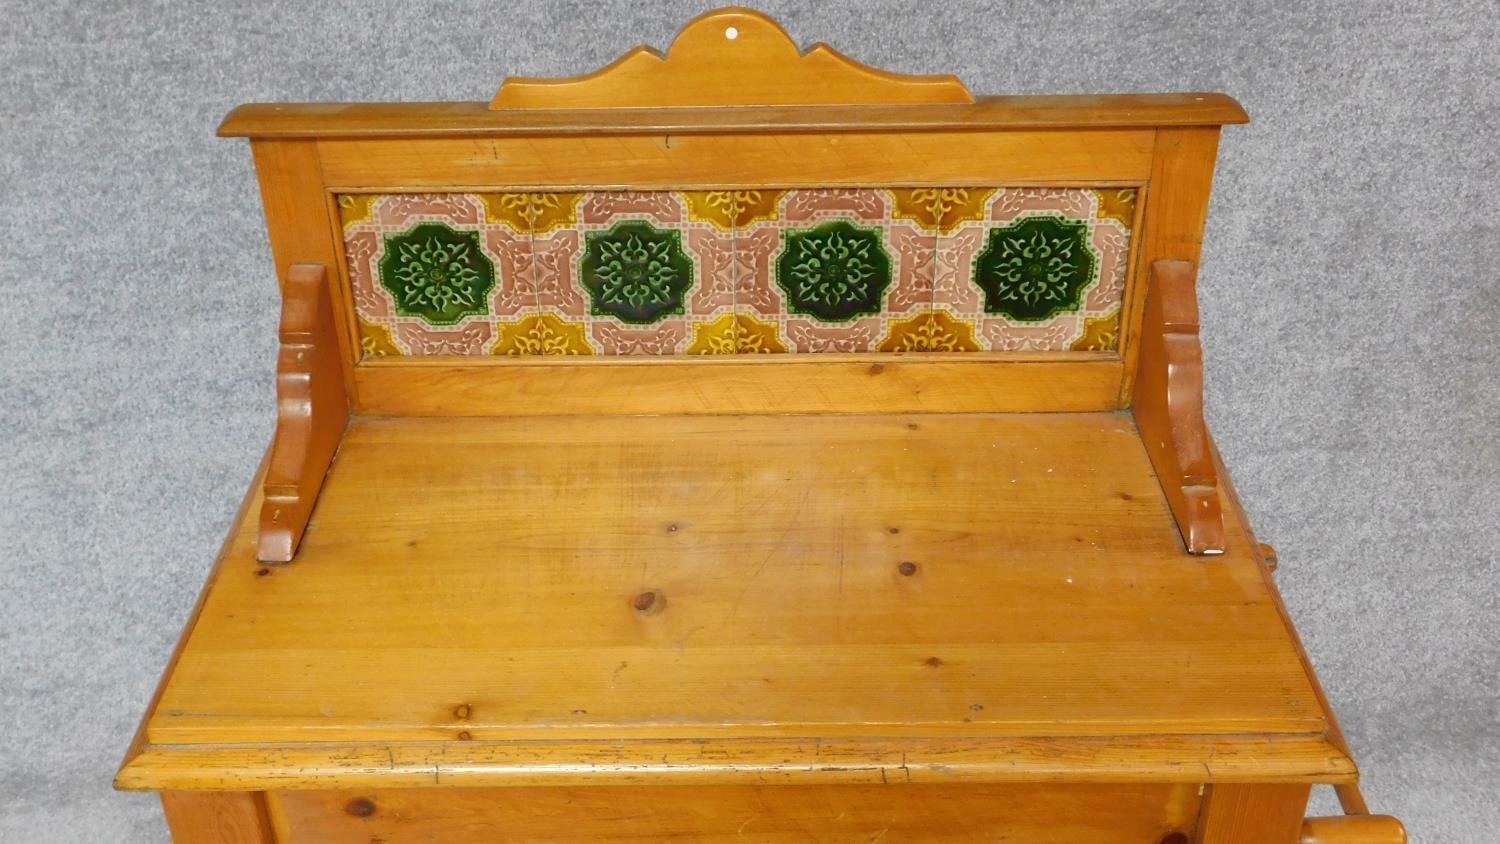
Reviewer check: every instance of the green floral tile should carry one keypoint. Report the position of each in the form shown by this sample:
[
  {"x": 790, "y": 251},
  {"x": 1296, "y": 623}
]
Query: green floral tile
[
  {"x": 1038, "y": 269},
  {"x": 1035, "y": 268},
  {"x": 437, "y": 273},
  {"x": 636, "y": 272},
  {"x": 835, "y": 272}
]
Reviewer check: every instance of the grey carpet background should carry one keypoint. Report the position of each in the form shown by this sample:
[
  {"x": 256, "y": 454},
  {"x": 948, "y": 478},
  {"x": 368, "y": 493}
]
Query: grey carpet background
[{"x": 1351, "y": 288}]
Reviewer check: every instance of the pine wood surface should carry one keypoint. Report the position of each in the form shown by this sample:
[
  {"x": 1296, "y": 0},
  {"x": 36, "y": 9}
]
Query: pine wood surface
[
  {"x": 1129, "y": 814},
  {"x": 1172, "y": 219},
  {"x": 730, "y": 57},
  {"x": 762, "y": 761},
  {"x": 998, "y": 113},
  {"x": 473, "y": 580},
  {"x": 1094, "y": 158},
  {"x": 217, "y": 817},
  {"x": 1353, "y": 829},
  {"x": 821, "y": 383},
  {"x": 1265, "y": 814}
]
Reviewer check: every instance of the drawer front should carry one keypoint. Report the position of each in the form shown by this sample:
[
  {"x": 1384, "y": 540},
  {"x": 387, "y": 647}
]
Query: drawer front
[{"x": 1020, "y": 813}]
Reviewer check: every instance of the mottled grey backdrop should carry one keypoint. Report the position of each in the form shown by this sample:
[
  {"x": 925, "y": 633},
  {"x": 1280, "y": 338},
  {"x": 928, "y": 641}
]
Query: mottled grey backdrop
[{"x": 1350, "y": 304}]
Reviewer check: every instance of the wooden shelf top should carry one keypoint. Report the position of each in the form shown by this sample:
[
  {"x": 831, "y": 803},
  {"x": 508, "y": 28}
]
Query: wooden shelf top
[
  {"x": 402, "y": 120},
  {"x": 961, "y": 595}
]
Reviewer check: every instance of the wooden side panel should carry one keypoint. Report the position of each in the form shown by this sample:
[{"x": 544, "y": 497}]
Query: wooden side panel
[
  {"x": 1168, "y": 407},
  {"x": 962, "y": 383},
  {"x": 312, "y": 412},
  {"x": 297, "y": 219},
  {"x": 1036, "y": 814},
  {"x": 1252, "y": 814},
  {"x": 1176, "y": 210},
  {"x": 1350, "y": 797},
  {"x": 219, "y": 817}
]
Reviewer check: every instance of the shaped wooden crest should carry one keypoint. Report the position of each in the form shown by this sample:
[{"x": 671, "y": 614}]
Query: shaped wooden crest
[{"x": 731, "y": 57}]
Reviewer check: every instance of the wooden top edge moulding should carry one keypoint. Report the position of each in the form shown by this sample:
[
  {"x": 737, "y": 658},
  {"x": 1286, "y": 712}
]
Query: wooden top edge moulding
[{"x": 730, "y": 70}]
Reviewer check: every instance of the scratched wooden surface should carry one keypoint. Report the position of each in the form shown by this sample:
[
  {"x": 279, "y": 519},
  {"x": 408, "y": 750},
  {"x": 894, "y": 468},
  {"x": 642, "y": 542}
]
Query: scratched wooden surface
[{"x": 912, "y": 577}]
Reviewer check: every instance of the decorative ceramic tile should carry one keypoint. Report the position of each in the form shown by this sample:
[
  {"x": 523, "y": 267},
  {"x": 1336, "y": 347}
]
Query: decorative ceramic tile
[
  {"x": 649, "y": 272},
  {"x": 930, "y": 331},
  {"x": 738, "y": 272},
  {"x": 424, "y": 275},
  {"x": 832, "y": 268},
  {"x": 942, "y": 209},
  {"x": 437, "y": 273},
  {"x": 1041, "y": 270},
  {"x": 542, "y": 334}
]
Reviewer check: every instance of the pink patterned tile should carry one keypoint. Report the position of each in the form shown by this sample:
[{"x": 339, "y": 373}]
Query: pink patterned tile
[
  {"x": 1051, "y": 336},
  {"x": 603, "y": 208},
  {"x": 808, "y": 335},
  {"x": 713, "y": 253},
  {"x": 555, "y": 269},
  {"x": 799, "y": 208},
  {"x": 668, "y": 337},
  {"x": 397, "y": 212},
  {"x": 471, "y": 338},
  {"x": 515, "y": 285},
  {"x": 755, "y": 253},
  {"x": 362, "y": 251},
  {"x": 913, "y": 251}
]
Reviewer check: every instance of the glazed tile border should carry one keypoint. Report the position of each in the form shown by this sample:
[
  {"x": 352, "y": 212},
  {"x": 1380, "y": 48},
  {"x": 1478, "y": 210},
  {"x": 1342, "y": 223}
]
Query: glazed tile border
[{"x": 726, "y": 272}]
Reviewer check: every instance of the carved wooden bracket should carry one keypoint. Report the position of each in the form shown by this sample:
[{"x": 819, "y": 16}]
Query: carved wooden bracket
[
  {"x": 731, "y": 57},
  {"x": 312, "y": 410},
  {"x": 1168, "y": 406}
]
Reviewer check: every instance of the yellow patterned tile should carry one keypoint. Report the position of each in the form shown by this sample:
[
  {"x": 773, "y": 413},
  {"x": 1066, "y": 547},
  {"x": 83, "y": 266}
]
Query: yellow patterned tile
[
  {"x": 935, "y": 331},
  {"x": 376, "y": 341},
  {"x": 757, "y": 338},
  {"x": 1100, "y": 334},
  {"x": 730, "y": 208},
  {"x": 542, "y": 334},
  {"x": 1117, "y": 205},
  {"x": 714, "y": 338},
  {"x": 943, "y": 209},
  {"x": 536, "y": 213},
  {"x": 733, "y": 334},
  {"x": 354, "y": 208}
]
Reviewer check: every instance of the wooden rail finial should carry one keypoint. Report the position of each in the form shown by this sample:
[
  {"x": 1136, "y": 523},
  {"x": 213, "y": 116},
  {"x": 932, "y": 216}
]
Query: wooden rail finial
[
  {"x": 312, "y": 410},
  {"x": 731, "y": 57},
  {"x": 1353, "y": 829},
  {"x": 1168, "y": 406}
]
